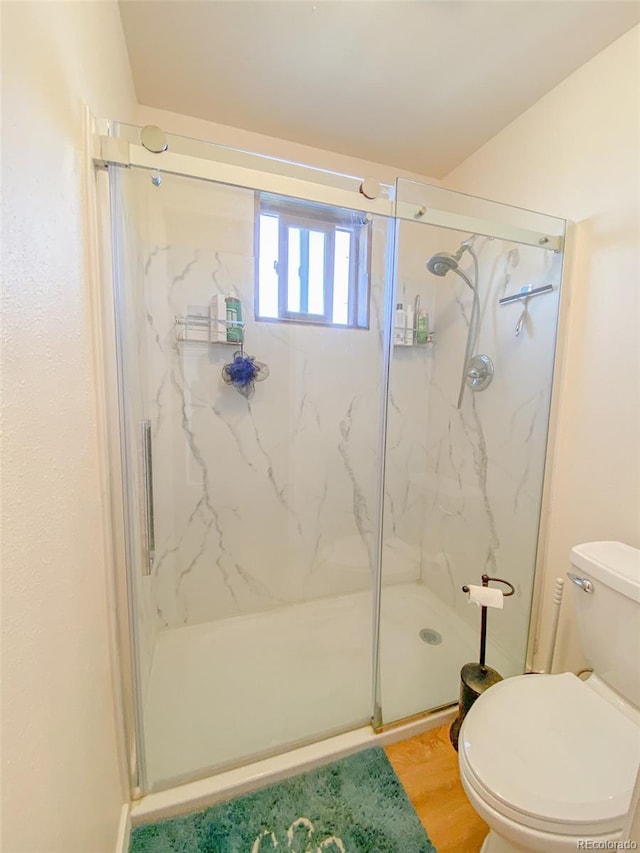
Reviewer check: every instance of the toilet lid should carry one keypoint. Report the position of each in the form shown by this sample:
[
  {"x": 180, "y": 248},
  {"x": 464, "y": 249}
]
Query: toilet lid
[{"x": 549, "y": 747}]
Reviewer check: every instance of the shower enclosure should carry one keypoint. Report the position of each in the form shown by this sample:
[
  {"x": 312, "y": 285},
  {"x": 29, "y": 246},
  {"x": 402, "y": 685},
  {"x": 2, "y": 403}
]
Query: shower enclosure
[{"x": 295, "y": 550}]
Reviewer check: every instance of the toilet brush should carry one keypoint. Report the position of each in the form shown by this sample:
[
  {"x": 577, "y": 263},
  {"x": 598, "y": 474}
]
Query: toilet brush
[{"x": 475, "y": 678}]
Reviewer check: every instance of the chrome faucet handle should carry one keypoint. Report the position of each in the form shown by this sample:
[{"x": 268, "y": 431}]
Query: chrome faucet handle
[
  {"x": 584, "y": 584},
  {"x": 479, "y": 372}
]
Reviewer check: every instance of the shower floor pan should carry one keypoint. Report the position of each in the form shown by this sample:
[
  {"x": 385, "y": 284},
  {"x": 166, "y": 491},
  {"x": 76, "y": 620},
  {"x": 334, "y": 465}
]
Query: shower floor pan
[{"x": 224, "y": 693}]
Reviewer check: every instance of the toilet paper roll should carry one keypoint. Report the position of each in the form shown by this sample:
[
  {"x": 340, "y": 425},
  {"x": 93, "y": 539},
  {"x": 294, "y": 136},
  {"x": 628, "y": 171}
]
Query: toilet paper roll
[{"x": 485, "y": 596}]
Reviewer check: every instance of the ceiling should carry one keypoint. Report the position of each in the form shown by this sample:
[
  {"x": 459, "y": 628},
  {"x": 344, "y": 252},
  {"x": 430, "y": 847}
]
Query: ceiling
[{"x": 416, "y": 85}]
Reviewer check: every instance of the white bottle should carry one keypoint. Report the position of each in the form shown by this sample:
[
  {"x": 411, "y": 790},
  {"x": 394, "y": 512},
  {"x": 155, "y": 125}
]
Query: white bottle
[
  {"x": 408, "y": 332},
  {"x": 399, "y": 325}
]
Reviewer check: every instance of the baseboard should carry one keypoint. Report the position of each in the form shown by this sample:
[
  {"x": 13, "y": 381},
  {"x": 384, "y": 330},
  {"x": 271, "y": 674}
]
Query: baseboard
[{"x": 124, "y": 831}]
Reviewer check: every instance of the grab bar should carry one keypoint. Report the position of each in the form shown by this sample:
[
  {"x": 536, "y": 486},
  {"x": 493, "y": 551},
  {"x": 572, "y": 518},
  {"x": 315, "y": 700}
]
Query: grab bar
[
  {"x": 526, "y": 293},
  {"x": 147, "y": 491}
]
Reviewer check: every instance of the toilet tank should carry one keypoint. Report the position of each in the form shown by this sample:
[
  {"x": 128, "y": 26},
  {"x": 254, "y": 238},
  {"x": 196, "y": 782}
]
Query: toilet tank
[{"x": 608, "y": 612}]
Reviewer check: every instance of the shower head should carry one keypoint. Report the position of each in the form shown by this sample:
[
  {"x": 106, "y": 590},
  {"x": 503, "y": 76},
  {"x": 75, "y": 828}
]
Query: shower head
[{"x": 442, "y": 263}]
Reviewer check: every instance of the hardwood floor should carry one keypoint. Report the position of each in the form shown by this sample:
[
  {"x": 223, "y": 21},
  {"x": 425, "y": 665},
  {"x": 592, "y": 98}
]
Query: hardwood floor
[{"x": 427, "y": 766}]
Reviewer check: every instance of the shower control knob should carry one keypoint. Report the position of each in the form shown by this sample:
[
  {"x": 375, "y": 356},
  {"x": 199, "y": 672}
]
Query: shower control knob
[{"x": 479, "y": 372}]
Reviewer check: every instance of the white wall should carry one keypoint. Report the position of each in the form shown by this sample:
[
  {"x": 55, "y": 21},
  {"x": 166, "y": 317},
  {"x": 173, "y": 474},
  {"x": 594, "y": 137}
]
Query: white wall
[
  {"x": 62, "y": 790},
  {"x": 576, "y": 154},
  {"x": 246, "y": 140}
]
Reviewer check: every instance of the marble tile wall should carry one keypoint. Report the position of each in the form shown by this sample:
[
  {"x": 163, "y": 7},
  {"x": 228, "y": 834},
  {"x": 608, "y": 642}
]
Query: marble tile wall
[
  {"x": 267, "y": 501},
  {"x": 485, "y": 462},
  {"x": 407, "y": 441},
  {"x": 272, "y": 500}
]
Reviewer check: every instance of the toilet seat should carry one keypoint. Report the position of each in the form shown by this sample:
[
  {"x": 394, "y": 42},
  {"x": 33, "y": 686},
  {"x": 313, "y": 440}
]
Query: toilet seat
[{"x": 561, "y": 758}]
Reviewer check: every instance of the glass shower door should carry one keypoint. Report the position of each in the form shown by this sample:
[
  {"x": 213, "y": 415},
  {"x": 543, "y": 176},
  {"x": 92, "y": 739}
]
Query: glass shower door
[
  {"x": 253, "y": 623},
  {"x": 463, "y": 477}
]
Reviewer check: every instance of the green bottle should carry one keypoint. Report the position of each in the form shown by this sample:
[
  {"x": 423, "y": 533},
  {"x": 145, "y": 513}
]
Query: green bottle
[
  {"x": 234, "y": 320},
  {"x": 422, "y": 327}
]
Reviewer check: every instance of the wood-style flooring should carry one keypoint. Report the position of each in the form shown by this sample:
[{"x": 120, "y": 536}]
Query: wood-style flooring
[{"x": 427, "y": 766}]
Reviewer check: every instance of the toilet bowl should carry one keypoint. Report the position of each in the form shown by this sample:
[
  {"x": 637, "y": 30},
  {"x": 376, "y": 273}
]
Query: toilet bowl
[{"x": 551, "y": 760}]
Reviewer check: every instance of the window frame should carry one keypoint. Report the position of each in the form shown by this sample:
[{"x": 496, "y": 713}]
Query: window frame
[{"x": 307, "y": 217}]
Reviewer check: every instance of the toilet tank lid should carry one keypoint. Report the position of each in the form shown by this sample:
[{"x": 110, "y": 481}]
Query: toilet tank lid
[{"x": 613, "y": 563}]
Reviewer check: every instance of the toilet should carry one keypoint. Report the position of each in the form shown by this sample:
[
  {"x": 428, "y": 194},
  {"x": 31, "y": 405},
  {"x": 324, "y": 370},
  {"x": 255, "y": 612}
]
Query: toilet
[{"x": 550, "y": 760}]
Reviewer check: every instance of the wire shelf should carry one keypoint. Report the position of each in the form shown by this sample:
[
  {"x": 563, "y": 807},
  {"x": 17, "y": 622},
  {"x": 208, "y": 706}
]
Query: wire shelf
[{"x": 206, "y": 329}]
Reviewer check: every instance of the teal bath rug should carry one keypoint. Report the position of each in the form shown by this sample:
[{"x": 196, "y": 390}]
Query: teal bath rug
[{"x": 355, "y": 805}]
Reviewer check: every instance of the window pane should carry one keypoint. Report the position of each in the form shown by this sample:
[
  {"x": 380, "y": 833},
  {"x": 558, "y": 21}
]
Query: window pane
[
  {"x": 293, "y": 283},
  {"x": 316, "y": 272},
  {"x": 322, "y": 274},
  {"x": 341, "y": 264},
  {"x": 267, "y": 267}
]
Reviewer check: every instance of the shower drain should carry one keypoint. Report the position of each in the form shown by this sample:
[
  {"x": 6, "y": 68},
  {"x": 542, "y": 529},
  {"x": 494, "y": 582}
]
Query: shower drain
[{"x": 428, "y": 635}]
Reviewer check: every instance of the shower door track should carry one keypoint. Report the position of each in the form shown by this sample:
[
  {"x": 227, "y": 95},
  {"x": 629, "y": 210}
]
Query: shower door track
[
  {"x": 209, "y": 790},
  {"x": 114, "y": 150}
]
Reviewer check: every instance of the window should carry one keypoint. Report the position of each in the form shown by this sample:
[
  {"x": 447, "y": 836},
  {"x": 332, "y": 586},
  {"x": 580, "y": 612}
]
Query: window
[{"x": 312, "y": 263}]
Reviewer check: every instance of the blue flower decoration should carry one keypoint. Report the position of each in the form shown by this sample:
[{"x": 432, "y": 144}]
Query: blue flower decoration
[{"x": 243, "y": 372}]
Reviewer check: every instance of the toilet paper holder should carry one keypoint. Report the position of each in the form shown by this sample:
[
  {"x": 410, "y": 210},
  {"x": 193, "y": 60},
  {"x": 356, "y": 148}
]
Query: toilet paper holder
[
  {"x": 483, "y": 613},
  {"x": 476, "y": 678}
]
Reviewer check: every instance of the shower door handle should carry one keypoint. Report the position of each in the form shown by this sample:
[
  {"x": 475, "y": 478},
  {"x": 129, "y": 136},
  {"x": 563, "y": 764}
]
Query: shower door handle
[{"x": 147, "y": 491}]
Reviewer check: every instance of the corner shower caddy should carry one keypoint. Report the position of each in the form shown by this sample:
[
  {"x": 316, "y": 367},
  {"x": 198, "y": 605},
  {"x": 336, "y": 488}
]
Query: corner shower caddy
[
  {"x": 415, "y": 342},
  {"x": 414, "y": 330}
]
